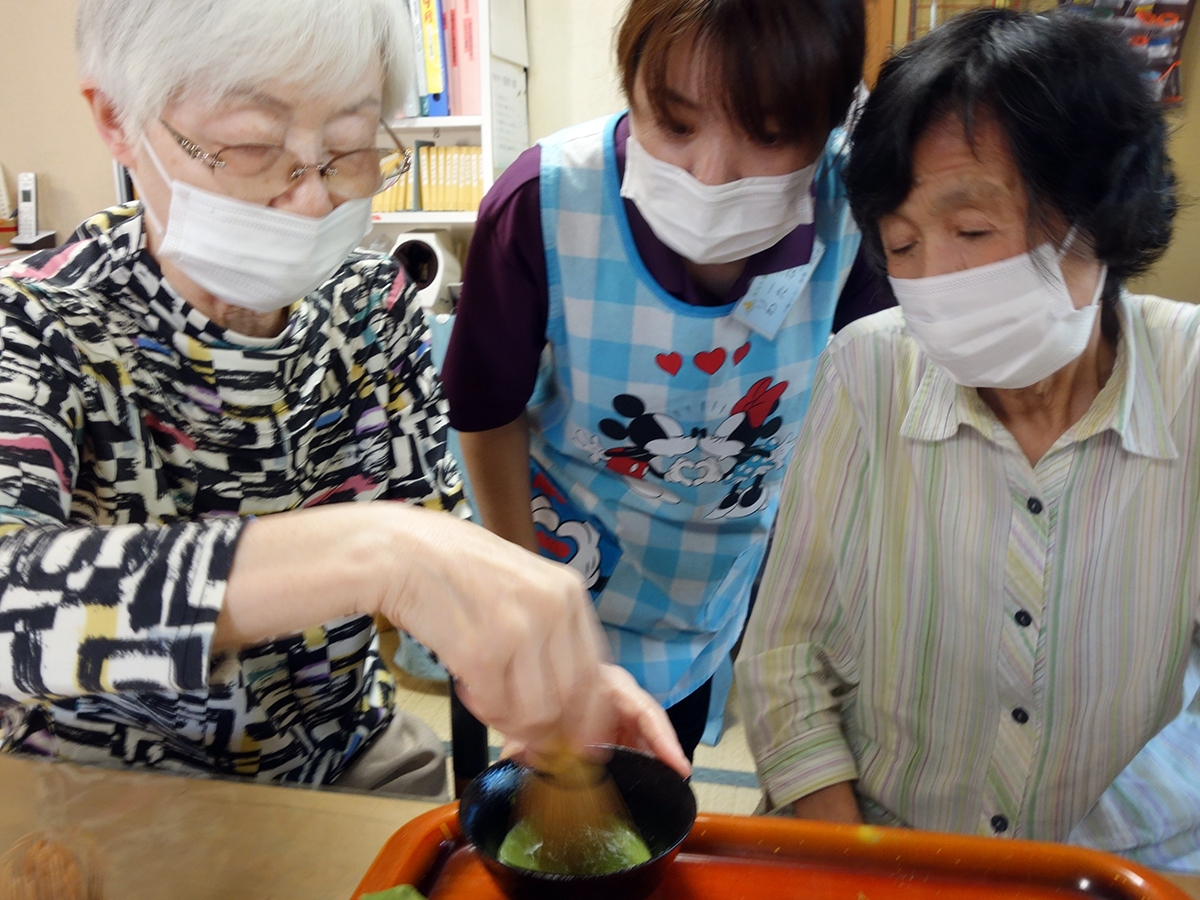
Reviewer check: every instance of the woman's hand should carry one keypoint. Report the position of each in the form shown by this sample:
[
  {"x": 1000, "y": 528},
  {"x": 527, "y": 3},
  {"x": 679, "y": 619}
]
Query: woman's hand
[
  {"x": 640, "y": 722},
  {"x": 835, "y": 803},
  {"x": 637, "y": 721},
  {"x": 518, "y": 632}
]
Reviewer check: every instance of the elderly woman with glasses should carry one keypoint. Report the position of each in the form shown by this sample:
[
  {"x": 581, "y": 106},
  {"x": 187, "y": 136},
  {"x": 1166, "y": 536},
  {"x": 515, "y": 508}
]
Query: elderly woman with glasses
[
  {"x": 208, "y": 398},
  {"x": 983, "y": 598}
]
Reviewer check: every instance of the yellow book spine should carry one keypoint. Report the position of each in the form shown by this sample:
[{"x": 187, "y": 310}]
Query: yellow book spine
[
  {"x": 432, "y": 46},
  {"x": 465, "y": 180},
  {"x": 478, "y": 198},
  {"x": 456, "y": 179},
  {"x": 440, "y": 168},
  {"x": 426, "y": 184},
  {"x": 447, "y": 175},
  {"x": 435, "y": 177},
  {"x": 434, "y": 199},
  {"x": 468, "y": 177}
]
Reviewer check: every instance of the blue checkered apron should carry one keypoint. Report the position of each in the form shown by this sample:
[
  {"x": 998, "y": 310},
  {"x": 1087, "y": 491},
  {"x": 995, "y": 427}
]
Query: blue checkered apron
[{"x": 662, "y": 430}]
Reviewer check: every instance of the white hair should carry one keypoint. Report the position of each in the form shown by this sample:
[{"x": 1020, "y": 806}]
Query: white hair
[{"x": 144, "y": 54}]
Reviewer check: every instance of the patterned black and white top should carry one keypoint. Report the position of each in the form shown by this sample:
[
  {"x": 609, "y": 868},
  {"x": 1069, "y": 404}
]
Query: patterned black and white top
[{"x": 134, "y": 435}]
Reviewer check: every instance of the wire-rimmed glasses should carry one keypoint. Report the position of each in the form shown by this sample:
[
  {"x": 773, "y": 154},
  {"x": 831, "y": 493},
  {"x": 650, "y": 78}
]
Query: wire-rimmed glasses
[{"x": 261, "y": 172}]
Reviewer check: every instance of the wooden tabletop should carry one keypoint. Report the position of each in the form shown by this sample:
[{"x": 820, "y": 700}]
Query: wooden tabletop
[
  {"x": 183, "y": 838},
  {"x": 1189, "y": 883},
  {"x": 169, "y": 836}
]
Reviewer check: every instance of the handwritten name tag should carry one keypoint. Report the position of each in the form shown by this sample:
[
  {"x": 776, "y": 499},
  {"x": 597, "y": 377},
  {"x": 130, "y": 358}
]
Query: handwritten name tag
[{"x": 771, "y": 297}]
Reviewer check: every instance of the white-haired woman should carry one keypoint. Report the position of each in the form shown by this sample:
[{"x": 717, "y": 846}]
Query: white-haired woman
[{"x": 192, "y": 389}]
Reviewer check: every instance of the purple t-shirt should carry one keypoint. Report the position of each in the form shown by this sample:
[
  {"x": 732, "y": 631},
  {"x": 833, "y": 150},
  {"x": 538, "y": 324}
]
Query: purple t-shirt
[{"x": 492, "y": 362}]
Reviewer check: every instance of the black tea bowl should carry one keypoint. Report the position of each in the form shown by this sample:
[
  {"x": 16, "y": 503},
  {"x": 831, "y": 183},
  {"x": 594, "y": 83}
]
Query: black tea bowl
[{"x": 659, "y": 801}]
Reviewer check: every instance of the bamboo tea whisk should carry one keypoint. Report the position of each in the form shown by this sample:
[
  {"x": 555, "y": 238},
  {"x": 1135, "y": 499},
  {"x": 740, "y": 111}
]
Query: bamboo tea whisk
[{"x": 574, "y": 806}]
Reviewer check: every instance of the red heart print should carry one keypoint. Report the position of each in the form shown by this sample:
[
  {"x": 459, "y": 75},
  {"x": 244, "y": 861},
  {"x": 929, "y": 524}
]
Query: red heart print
[
  {"x": 553, "y": 546},
  {"x": 669, "y": 362},
  {"x": 740, "y": 353},
  {"x": 710, "y": 361}
]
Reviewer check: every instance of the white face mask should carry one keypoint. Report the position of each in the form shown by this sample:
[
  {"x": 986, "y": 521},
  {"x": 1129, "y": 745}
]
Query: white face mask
[
  {"x": 715, "y": 223},
  {"x": 253, "y": 256},
  {"x": 1008, "y": 324}
]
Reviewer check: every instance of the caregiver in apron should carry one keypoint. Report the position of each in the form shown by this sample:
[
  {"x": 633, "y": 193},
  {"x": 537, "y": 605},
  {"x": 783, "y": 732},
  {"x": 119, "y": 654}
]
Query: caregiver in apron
[{"x": 644, "y": 301}]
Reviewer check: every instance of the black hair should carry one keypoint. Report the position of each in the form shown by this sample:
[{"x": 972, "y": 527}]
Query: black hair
[
  {"x": 1084, "y": 130},
  {"x": 785, "y": 69}
]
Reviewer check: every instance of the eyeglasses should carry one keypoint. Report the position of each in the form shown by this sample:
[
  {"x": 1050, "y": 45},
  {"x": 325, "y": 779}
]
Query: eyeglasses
[{"x": 261, "y": 172}]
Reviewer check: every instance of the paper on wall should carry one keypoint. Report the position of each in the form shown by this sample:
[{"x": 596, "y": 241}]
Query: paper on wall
[{"x": 510, "y": 113}]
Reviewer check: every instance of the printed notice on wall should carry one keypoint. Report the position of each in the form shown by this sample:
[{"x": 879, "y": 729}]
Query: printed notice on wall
[{"x": 510, "y": 113}]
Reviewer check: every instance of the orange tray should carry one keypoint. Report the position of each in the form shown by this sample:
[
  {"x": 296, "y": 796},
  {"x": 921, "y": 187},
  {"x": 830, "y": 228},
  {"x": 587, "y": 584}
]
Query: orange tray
[{"x": 738, "y": 858}]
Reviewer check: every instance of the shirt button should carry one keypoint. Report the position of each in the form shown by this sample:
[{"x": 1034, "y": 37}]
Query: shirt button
[
  {"x": 999, "y": 824},
  {"x": 1035, "y": 506},
  {"x": 1020, "y": 716},
  {"x": 1023, "y": 618}
]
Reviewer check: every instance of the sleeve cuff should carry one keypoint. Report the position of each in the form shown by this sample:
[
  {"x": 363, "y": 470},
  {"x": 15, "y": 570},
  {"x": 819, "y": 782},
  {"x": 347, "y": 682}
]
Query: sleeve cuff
[
  {"x": 194, "y": 654},
  {"x": 817, "y": 759}
]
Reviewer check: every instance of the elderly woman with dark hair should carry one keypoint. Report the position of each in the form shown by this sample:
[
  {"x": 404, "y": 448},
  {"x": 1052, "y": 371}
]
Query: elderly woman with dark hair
[
  {"x": 983, "y": 595},
  {"x": 208, "y": 399}
]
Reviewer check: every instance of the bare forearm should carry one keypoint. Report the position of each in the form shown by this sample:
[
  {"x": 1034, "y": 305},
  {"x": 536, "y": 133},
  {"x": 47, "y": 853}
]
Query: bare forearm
[
  {"x": 519, "y": 632},
  {"x": 498, "y": 465},
  {"x": 835, "y": 803},
  {"x": 295, "y": 570}
]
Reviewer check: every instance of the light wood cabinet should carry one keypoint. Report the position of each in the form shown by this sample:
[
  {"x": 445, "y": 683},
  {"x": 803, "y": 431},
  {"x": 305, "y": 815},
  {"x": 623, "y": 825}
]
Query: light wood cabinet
[{"x": 893, "y": 23}]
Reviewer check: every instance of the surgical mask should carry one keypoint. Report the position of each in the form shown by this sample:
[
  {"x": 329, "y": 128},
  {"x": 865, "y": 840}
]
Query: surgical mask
[
  {"x": 253, "y": 256},
  {"x": 715, "y": 223},
  {"x": 1008, "y": 324}
]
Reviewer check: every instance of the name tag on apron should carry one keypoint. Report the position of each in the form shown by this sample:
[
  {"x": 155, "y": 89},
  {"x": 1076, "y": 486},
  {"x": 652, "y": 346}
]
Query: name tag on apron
[{"x": 771, "y": 297}]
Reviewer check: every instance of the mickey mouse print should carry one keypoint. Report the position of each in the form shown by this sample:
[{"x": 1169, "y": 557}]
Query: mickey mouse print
[{"x": 655, "y": 450}]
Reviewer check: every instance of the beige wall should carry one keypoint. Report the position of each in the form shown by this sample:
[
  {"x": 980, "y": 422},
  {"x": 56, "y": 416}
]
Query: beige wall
[
  {"x": 572, "y": 78},
  {"x": 1178, "y": 275},
  {"x": 572, "y": 62},
  {"x": 45, "y": 126}
]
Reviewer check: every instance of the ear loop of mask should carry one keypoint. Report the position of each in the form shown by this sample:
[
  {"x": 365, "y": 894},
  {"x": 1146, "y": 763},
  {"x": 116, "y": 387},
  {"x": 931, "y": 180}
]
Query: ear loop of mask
[
  {"x": 1101, "y": 278},
  {"x": 1065, "y": 246},
  {"x": 1124, "y": 162},
  {"x": 167, "y": 180}
]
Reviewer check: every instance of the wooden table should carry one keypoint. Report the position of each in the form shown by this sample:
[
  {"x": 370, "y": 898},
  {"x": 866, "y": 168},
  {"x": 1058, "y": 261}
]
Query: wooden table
[{"x": 166, "y": 836}]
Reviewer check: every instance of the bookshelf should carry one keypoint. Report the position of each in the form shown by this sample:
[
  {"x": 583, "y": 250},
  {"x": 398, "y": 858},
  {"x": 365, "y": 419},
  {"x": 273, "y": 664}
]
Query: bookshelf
[
  {"x": 501, "y": 129},
  {"x": 432, "y": 124},
  {"x": 424, "y": 219}
]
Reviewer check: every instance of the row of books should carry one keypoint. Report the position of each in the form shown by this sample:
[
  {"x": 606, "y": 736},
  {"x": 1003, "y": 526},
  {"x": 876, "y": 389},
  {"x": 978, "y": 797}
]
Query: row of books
[
  {"x": 441, "y": 178},
  {"x": 447, "y": 75}
]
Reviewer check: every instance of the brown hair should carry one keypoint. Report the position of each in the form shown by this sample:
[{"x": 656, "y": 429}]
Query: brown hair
[{"x": 785, "y": 69}]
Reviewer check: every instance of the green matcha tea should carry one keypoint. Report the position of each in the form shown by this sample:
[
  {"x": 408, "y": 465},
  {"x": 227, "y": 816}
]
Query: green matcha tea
[{"x": 611, "y": 849}]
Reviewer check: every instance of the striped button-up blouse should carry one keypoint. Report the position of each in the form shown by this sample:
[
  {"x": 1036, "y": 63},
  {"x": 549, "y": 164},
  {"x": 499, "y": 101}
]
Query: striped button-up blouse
[{"x": 983, "y": 644}]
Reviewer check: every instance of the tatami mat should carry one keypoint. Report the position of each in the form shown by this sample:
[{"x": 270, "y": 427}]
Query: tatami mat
[{"x": 723, "y": 776}]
